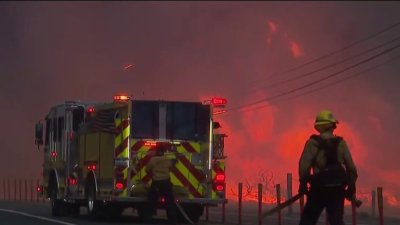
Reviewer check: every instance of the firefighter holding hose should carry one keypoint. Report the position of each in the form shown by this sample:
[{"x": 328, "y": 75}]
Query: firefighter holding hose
[{"x": 334, "y": 173}]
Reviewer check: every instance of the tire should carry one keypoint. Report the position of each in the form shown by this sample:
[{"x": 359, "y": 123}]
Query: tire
[
  {"x": 74, "y": 209},
  {"x": 193, "y": 211},
  {"x": 55, "y": 203},
  {"x": 143, "y": 213},
  {"x": 93, "y": 207},
  {"x": 113, "y": 212}
]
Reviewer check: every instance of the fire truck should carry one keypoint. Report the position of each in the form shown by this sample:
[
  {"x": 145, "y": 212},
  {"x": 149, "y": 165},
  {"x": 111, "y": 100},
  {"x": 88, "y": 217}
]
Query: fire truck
[{"x": 95, "y": 154}]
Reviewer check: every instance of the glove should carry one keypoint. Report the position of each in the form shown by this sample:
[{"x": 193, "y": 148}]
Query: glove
[
  {"x": 350, "y": 191},
  {"x": 303, "y": 189}
]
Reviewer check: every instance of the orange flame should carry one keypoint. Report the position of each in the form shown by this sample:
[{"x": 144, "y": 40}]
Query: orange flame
[
  {"x": 273, "y": 27},
  {"x": 296, "y": 49}
]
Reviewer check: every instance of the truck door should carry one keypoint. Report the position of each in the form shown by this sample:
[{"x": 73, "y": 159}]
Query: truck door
[
  {"x": 73, "y": 119},
  {"x": 68, "y": 142},
  {"x": 54, "y": 137}
]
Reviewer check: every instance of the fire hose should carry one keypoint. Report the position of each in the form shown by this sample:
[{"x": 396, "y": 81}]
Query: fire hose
[
  {"x": 182, "y": 211},
  {"x": 354, "y": 201}
]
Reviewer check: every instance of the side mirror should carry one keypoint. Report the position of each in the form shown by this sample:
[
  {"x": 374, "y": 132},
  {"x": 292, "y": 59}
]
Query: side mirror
[
  {"x": 216, "y": 125},
  {"x": 39, "y": 134}
]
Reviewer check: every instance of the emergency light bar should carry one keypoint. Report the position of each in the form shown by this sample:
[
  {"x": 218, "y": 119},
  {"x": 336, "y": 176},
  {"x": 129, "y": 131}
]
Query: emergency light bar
[{"x": 121, "y": 98}]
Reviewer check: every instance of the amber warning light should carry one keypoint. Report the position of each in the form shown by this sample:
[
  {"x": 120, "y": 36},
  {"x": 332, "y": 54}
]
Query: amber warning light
[{"x": 121, "y": 98}]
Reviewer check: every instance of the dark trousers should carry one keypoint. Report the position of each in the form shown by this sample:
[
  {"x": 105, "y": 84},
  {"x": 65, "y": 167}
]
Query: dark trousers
[
  {"x": 163, "y": 188},
  {"x": 331, "y": 198}
]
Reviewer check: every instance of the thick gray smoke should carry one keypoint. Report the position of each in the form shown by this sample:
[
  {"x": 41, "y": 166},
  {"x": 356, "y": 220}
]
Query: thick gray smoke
[{"x": 52, "y": 52}]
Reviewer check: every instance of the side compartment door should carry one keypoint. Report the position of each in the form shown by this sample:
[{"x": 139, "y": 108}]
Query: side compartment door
[{"x": 73, "y": 119}]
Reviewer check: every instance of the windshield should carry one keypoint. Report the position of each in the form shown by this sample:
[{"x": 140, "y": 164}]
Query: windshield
[{"x": 181, "y": 120}]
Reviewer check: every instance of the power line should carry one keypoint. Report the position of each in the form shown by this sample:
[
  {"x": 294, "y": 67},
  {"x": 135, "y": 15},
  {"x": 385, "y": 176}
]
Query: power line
[
  {"x": 331, "y": 65},
  {"x": 328, "y": 84},
  {"x": 333, "y": 52},
  {"x": 318, "y": 80}
]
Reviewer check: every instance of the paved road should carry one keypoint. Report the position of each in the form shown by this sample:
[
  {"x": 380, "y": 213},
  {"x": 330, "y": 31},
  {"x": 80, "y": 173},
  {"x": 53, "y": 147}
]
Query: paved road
[{"x": 26, "y": 213}]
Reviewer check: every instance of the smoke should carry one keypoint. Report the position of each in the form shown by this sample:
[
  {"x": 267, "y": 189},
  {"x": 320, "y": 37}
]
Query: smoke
[{"x": 191, "y": 51}]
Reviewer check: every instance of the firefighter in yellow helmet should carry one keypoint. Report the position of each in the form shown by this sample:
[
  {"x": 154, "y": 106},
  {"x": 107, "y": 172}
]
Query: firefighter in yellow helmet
[{"x": 333, "y": 176}]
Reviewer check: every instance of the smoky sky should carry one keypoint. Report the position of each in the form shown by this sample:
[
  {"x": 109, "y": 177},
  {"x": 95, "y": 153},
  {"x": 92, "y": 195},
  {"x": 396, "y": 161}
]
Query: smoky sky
[{"x": 52, "y": 52}]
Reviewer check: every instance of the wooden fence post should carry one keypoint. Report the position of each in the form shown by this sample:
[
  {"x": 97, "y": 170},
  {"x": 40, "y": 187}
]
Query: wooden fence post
[
  {"x": 259, "y": 204},
  {"x": 278, "y": 202},
  {"x": 373, "y": 202},
  {"x": 15, "y": 189},
  {"x": 4, "y": 189},
  {"x": 289, "y": 191},
  {"x": 380, "y": 204},
  {"x": 240, "y": 187}
]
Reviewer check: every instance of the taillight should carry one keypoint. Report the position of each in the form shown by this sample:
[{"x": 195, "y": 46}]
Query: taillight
[
  {"x": 72, "y": 181},
  {"x": 119, "y": 185},
  {"x": 92, "y": 167},
  {"x": 90, "y": 110},
  {"x": 53, "y": 154},
  {"x": 39, "y": 189},
  {"x": 220, "y": 177},
  {"x": 219, "y": 182}
]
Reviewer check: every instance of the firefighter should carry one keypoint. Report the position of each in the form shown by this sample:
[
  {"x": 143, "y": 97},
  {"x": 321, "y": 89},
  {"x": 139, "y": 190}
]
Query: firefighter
[
  {"x": 159, "y": 167},
  {"x": 333, "y": 176}
]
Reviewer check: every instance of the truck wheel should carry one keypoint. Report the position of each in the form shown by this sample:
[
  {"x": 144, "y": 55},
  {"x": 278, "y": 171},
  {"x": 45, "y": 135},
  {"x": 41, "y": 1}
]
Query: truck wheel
[
  {"x": 193, "y": 211},
  {"x": 74, "y": 209},
  {"x": 92, "y": 204},
  {"x": 56, "y": 204},
  {"x": 143, "y": 213},
  {"x": 113, "y": 212}
]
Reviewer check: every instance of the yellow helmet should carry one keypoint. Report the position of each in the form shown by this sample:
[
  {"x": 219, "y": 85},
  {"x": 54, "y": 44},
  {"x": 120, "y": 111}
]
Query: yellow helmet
[{"x": 325, "y": 117}]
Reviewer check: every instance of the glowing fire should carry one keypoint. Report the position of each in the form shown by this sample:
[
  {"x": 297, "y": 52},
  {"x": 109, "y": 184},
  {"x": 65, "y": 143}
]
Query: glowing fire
[
  {"x": 295, "y": 49},
  {"x": 273, "y": 32},
  {"x": 273, "y": 27}
]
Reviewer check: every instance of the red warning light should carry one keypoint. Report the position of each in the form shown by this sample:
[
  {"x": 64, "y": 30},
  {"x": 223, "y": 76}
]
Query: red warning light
[
  {"x": 53, "y": 154},
  {"x": 121, "y": 98},
  {"x": 38, "y": 189},
  {"x": 90, "y": 110},
  {"x": 119, "y": 185},
  {"x": 220, "y": 187},
  {"x": 91, "y": 167},
  {"x": 72, "y": 181},
  {"x": 220, "y": 177},
  {"x": 219, "y": 101}
]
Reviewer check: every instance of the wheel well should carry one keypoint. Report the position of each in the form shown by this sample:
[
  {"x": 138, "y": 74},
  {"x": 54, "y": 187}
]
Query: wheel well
[{"x": 53, "y": 181}]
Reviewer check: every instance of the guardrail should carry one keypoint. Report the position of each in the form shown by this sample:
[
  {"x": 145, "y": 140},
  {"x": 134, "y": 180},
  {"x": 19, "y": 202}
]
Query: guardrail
[
  {"x": 301, "y": 201},
  {"x": 20, "y": 190}
]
